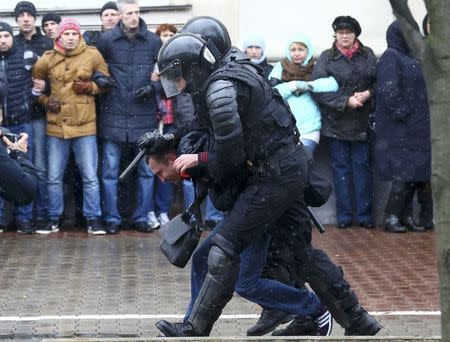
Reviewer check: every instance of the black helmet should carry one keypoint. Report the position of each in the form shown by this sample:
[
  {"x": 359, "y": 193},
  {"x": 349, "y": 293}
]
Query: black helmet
[
  {"x": 184, "y": 63},
  {"x": 210, "y": 29}
]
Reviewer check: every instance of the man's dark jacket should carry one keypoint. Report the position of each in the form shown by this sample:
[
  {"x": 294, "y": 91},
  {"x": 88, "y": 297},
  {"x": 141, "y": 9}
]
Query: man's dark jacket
[
  {"x": 124, "y": 118},
  {"x": 38, "y": 44},
  {"x": 18, "y": 104}
]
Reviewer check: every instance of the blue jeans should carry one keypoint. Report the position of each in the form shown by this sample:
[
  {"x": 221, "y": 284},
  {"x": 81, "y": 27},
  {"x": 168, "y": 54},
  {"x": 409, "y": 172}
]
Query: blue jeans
[
  {"x": 211, "y": 212},
  {"x": 268, "y": 293},
  {"x": 163, "y": 197},
  {"x": 350, "y": 161},
  {"x": 40, "y": 161},
  {"x": 309, "y": 146},
  {"x": 86, "y": 157},
  {"x": 22, "y": 213},
  {"x": 112, "y": 152}
]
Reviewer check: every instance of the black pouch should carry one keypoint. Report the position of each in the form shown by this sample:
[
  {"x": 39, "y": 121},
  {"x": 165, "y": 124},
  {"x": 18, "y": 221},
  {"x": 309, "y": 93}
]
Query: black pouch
[{"x": 180, "y": 236}]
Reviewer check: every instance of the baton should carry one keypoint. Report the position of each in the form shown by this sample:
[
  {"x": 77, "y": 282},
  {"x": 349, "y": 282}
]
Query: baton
[
  {"x": 316, "y": 221},
  {"x": 132, "y": 164}
]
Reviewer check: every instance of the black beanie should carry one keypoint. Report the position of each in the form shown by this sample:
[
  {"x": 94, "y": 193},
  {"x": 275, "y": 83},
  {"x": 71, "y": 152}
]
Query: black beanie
[
  {"x": 50, "y": 16},
  {"x": 24, "y": 6},
  {"x": 109, "y": 5},
  {"x": 6, "y": 27},
  {"x": 347, "y": 22}
]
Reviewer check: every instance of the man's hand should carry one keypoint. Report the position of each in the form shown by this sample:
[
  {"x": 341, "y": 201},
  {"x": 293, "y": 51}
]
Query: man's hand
[
  {"x": 53, "y": 106},
  {"x": 38, "y": 86},
  {"x": 149, "y": 139},
  {"x": 184, "y": 162},
  {"x": 362, "y": 96},
  {"x": 144, "y": 91},
  {"x": 354, "y": 103},
  {"x": 81, "y": 87},
  {"x": 104, "y": 82},
  {"x": 154, "y": 140},
  {"x": 21, "y": 145}
]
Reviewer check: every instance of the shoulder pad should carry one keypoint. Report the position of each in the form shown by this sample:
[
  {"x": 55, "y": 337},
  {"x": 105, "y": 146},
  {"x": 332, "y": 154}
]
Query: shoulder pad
[{"x": 220, "y": 89}]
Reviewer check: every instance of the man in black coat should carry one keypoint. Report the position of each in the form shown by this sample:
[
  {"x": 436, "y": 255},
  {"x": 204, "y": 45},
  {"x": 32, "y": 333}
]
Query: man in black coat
[
  {"x": 17, "y": 106},
  {"x": 128, "y": 110},
  {"x": 31, "y": 38}
]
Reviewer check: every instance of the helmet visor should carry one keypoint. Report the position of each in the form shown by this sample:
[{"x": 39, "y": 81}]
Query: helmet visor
[{"x": 172, "y": 79}]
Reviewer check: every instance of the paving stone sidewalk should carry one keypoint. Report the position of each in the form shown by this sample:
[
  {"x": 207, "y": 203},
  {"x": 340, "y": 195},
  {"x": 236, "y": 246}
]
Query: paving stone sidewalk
[{"x": 49, "y": 285}]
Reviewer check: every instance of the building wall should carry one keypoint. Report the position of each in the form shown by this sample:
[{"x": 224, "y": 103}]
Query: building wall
[{"x": 274, "y": 20}]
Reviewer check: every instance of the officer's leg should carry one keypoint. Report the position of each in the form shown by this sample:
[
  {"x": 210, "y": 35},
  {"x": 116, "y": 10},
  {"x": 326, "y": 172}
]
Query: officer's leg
[
  {"x": 324, "y": 277},
  {"x": 327, "y": 281},
  {"x": 257, "y": 208},
  {"x": 199, "y": 269}
]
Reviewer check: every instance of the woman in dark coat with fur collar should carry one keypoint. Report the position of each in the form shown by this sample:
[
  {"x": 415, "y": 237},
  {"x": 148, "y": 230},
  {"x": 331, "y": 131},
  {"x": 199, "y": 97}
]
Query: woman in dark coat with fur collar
[{"x": 403, "y": 148}]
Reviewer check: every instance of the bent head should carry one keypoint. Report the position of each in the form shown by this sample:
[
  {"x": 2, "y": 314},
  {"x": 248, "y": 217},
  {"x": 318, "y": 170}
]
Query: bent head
[{"x": 162, "y": 167}]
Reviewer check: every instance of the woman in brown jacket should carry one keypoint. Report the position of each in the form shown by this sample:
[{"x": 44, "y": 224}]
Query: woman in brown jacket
[{"x": 71, "y": 120}]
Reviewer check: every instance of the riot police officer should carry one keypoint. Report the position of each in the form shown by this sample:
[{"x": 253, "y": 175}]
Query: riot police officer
[{"x": 255, "y": 140}]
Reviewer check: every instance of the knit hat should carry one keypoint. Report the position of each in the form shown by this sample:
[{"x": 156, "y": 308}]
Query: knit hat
[
  {"x": 346, "y": 22},
  {"x": 109, "y": 5},
  {"x": 24, "y": 6},
  {"x": 50, "y": 16},
  {"x": 299, "y": 38},
  {"x": 68, "y": 24},
  {"x": 6, "y": 27},
  {"x": 255, "y": 40}
]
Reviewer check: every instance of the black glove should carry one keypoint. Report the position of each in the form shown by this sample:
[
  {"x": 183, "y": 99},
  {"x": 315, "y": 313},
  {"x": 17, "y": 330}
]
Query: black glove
[
  {"x": 156, "y": 142},
  {"x": 144, "y": 91},
  {"x": 102, "y": 81}
]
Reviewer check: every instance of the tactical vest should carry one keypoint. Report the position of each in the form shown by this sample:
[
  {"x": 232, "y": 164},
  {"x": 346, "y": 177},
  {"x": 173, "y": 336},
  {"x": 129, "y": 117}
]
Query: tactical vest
[{"x": 268, "y": 123}]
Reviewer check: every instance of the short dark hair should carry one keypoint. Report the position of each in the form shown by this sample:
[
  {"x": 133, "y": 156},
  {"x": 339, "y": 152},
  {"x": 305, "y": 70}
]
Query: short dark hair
[{"x": 161, "y": 148}]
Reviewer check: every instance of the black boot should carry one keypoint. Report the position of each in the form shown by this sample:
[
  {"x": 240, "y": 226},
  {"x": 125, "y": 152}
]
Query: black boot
[
  {"x": 268, "y": 321},
  {"x": 411, "y": 224},
  {"x": 177, "y": 329},
  {"x": 392, "y": 224},
  {"x": 363, "y": 324},
  {"x": 318, "y": 325},
  {"x": 217, "y": 289}
]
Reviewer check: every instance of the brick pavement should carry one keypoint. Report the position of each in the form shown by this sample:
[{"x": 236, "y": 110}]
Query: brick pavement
[{"x": 49, "y": 284}]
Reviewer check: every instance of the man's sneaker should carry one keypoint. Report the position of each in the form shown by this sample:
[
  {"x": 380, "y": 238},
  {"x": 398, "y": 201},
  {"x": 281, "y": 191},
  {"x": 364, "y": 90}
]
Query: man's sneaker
[
  {"x": 2, "y": 229},
  {"x": 95, "y": 227},
  {"x": 153, "y": 222},
  {"x": 268, "y": 321},
  {"x": 321, "y": 325},
  {"x": 184, "y": 329},
  {"x": 24, "y": 227},
  {"x": 144, "y": 227},
  {"x": 48, "y": 228},
  {"x": 163, "y": 218},
  {"x": 112, "y": 227}
]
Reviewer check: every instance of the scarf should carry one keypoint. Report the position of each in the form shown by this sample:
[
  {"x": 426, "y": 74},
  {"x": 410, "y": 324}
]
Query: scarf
[
  {"x": 349, "y": 53},
  {"x": 295, "y": 72}
]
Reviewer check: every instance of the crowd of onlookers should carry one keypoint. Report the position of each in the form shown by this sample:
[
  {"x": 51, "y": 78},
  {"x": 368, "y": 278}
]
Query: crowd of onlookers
[{"x": 85, "y": 99}]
